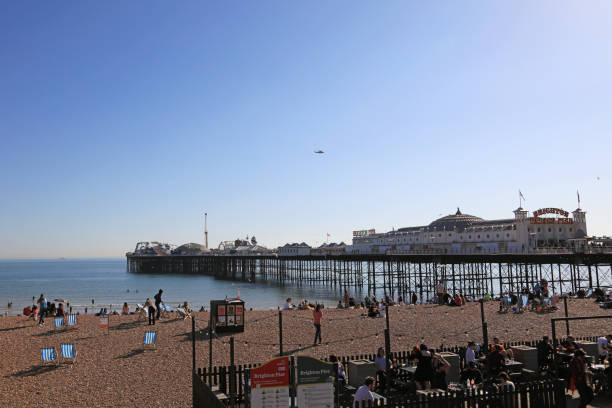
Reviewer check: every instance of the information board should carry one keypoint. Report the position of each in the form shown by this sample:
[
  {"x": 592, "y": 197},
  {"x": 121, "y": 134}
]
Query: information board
[
  {"x": 104, "y": 321},
  {"x": 315, "y": 387},
  {"x": 270, "y": 384}
]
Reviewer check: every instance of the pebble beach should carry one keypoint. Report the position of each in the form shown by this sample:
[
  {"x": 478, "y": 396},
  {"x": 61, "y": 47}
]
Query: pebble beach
[{"x": 112, "y": 370}]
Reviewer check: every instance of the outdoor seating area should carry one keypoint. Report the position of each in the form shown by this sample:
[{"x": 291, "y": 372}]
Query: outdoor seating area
[{"x": 518, "y": 378}]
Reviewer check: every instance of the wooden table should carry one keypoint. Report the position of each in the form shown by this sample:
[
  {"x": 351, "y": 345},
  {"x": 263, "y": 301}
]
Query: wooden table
[
  {"x": 379, "y": 400},
  {"x": 411, "y": 370},
  {"x": 514, "y": 366}
]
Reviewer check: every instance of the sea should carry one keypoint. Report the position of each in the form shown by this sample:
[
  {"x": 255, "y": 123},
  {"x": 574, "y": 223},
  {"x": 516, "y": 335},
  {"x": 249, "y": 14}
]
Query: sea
[{"x": 98, "y": 283}]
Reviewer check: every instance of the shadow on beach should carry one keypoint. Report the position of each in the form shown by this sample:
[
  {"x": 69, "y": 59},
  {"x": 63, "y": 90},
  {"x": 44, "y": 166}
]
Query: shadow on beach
[
  {"x": 34, "y": 370},
  {"x": 51, "y": 332},
  {"x": 132, "y": 353},
  {"x": 13, "y": 328},
  {"x": 166, "y": 321},
  {"x": 127, "y": 325},
  {"x": 202, "y": 334},
  {"x": 295, "y": 350}
]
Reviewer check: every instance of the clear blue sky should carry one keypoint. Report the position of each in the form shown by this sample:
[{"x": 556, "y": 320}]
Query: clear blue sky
[{"x": 125, "y": 121}]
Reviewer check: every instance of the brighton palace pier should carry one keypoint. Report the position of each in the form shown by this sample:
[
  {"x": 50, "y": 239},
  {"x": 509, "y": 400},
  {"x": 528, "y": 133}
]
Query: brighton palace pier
[
  {"x": 465, "y": 252},
  {"x": 467, "y": 234}
]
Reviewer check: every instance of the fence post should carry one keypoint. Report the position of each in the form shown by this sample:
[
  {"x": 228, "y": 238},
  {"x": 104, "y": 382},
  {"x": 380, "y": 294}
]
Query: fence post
[
  {"x": 387, "y": 341},
  {"x": 485, "y": 331},
  {"x": 560, "y": 399},
  {"x": 210, "y": 348},
  {"x": 232, "y": 375},
  {"x": 565, "y": 310},
  {"x": 292, "y": 381},
  {"x": 280, "y": 331},
  {"x": 193, "y": 348},
  {"x": 554, "y": 333}
]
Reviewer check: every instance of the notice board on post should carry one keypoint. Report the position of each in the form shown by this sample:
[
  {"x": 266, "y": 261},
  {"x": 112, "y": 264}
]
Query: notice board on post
[
  {"x": 315, "y": 386},
  {"x": 270, "y": 384},
  {"x": 104, "y": 321},
  {"x": 227, "y": 315}
]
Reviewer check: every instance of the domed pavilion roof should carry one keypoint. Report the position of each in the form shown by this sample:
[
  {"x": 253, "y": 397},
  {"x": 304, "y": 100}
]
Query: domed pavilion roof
[{"x": 455, "y": 221}]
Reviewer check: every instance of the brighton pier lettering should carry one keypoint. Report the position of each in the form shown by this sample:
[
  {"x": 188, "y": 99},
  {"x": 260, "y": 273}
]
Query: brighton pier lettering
[
  {"x": 536, "y": 220},
  {"x": 542, "y": 211}
]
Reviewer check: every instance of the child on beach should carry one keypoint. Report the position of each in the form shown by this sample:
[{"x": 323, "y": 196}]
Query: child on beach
[{"x": 317, "y": 314}]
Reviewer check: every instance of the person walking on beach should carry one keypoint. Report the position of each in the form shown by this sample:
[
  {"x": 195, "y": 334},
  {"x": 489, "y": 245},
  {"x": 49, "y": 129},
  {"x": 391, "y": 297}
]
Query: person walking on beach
[
  {"x": 149, "y": 306},
  {"x": 42, "y": 306},
  {"x": 317, "y": 314},
  {"x": 158, "y": 303}
]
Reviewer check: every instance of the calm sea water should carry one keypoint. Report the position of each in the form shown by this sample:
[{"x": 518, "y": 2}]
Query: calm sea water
[{"x": 106, "y": 281}]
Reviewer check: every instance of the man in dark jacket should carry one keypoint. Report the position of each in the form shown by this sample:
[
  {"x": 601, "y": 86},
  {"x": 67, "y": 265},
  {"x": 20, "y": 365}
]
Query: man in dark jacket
[
  {"x": 496, "y": 361},
  {"x": 158, "y": 301},
  {"x": 545, "y": 353}
]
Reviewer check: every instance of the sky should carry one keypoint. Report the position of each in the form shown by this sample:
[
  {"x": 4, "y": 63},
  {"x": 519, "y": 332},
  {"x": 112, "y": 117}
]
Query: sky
[{"x": 123, "y": 122}]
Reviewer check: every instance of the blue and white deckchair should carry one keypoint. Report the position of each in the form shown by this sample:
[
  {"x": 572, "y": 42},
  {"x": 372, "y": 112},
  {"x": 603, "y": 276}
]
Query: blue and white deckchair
[
  {"x": 71, "y": 320},
  {"x": 150, "y": 339},
  {"x": 69, "y": 352},
  {"x": 48, "y": 355},
  {"x": 183, "y": 312},
  {"x": 163, "y": 309},
  {"x": 144, "y": 312},
  {"x": 59, "y": 322},
  {"x": 523, "y": 302}
]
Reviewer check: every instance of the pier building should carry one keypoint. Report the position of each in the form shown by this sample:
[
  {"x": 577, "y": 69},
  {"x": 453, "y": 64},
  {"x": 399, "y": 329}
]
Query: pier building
[{"x": 461, "y": 233}]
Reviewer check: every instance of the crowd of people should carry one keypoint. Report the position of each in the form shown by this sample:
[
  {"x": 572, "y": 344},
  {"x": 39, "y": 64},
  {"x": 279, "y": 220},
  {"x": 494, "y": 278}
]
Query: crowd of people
[
  {"x": 43, "y": 308},
  {"x": 484, "y": 369}
]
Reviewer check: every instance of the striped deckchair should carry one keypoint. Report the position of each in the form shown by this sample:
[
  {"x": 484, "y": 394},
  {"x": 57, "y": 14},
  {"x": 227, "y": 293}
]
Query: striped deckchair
[
  {"x": 183, "y": 313},
  {"x": 523, "y": 303},
  {"x": 59, "y": 322},
  {"x": 48, "y": 355},
  {"x": 164, "y": 310},
  {"x": 150, "y": 339},
  {"x": 71, "y": 321},
  {"x": 69, "y": 353},
  {"x": 144, "y": 312}
]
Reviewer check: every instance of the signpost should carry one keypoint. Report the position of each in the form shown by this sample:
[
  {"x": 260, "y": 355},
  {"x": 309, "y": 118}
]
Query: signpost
[
  {"x": 315, "y": 387},
  {"x": 104, "y": 322},
  {"x": 270, "y": 384}
]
